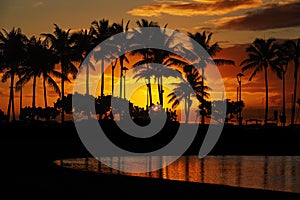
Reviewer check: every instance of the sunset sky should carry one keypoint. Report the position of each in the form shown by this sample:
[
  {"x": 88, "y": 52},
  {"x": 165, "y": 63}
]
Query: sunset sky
[{"x": 235, "y": 24}]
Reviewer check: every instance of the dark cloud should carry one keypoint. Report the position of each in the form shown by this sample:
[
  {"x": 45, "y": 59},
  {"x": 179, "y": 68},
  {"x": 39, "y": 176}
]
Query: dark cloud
[{"x": 275, "y": 16}]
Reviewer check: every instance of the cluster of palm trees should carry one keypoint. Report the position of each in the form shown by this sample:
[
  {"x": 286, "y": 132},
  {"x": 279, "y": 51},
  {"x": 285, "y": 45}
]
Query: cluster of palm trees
[
  {"x": 271, "y": 54},
  {"x": 27, "y": 59}
]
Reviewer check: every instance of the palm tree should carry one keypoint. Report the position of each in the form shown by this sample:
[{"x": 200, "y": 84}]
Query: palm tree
[
  {"x": 48, "y": 70},
  {"x": 84, "y": 44},
  {"x": 212, "y": 49},
  {"x": 294, "y": 53},
  {"x": 145, "y": 52},
  {"x": 261, "y": 55},
  {"x": 192, "y": 86},
  {"x": 161, "y": 57},
  {"x": 119, "y": 28},
  {"x": 281, "y": 61},
  {"x": 39, "y": 61},
  {"x": 158, "y": 72},
  {"x": 101, "y": 31},
  {"x": 12, "y": 48},
  {"x": 182, "y": 92},
  {"x": 62, "y": 44},
  {"x": 32, "y": 68}
]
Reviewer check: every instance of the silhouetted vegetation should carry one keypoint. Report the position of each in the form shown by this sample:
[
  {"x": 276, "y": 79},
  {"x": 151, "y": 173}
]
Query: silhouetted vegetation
[{"x": 31, "y": 58}]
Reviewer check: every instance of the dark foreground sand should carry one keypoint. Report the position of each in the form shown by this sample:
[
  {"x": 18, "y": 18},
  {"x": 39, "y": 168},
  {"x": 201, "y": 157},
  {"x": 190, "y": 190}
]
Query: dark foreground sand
[{"x": 27, "y": 170}]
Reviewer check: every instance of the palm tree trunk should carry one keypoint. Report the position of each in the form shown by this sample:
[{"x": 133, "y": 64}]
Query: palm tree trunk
[
  {"x": 113, "y": 79},
  {"x": 121, "y": 78},
  {"x": 283, "y": 98},
  {"x": 33, "y": 91},
  {"x": 186, "y": 111},
  {"x": 149, "y": 83},
  {"x": 62, "y": 95},
  {"x": 295, "y": 91},
  {"x": 160, "y": 91},
  {"x": 87, "y": 91},
  {"x": 45, "y": 92},
  {"x": 102, "y": 78},
  {"x": 33, "y": 96},
  {"x": 267, "y": 94},
  {"x": 21, "y": 100},
  {"x": 150, "y": 92},
  {"x": 11, "y": 97},
  {"x": 202, "y": 93}
]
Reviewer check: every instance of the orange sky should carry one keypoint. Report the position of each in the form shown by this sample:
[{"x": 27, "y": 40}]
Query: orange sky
[{"x": 235, "y": 24}]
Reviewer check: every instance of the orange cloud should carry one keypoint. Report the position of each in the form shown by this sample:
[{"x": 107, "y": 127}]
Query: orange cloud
[{"x": 194, "y": 7}]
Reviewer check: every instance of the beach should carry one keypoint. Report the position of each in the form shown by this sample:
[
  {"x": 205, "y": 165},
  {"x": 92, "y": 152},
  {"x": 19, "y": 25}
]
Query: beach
[{"x": 29, "y": 168}]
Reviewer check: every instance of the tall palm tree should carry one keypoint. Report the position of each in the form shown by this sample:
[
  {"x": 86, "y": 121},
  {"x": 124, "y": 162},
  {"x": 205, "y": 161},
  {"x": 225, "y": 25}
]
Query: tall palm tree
[
  {"x": 282, "y": 61},
  {"x": 119, "y": 28},
  {"x": 60, "y": 41},
  {"x": 84, "y": 44},
  {"x": 294, "y": 53},
  {"x": 32, "y": 68},
  {"x": 212, "y": 49},
  {"x": 161, "y": 57},
  {"x": 39, "y": 61},
  {"x": 182, "y": 92},
  {"x": 261, "y": 55},
  {"x": 145, "y": 52},
  {"x": 12, "y": 48},
  {"x": 191, "y": 86},
  {"x": 48, "y": 70},
  {"x": 101, "y": 30}
]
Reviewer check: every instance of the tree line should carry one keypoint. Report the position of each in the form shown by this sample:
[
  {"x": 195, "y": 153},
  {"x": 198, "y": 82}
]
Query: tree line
[{"x": 23, "y": 59}]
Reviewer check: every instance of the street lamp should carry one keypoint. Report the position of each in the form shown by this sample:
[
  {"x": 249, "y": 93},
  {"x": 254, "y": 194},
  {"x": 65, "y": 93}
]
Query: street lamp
[
  {"x": 239, "y": 79},
  {"x": 125, "y": 69}
]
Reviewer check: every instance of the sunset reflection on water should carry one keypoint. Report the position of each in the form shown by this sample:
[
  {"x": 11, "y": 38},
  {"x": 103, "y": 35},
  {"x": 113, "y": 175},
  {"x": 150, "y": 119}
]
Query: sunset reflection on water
[{"x": 280, "y": 173}]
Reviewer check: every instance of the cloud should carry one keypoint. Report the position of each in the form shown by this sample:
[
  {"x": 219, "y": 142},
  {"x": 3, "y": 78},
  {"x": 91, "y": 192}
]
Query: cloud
[
  {"x": 38, "y": 4},
  {"x": 193, "y": 8},
  {"x": 271, "y": 17}
]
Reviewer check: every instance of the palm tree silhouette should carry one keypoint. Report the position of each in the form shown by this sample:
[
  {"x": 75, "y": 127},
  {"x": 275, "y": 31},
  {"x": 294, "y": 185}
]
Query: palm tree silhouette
[
  {"x": 101, "y": 30},
  {"x": 192, "y": 86},
  {"x": 61, "y": 43},
  {"x": 161, "y": 57},
  {"x": 83, "y": 45},
  {"x": 294, "y": 53},
  {"x": 119, "y": 28},
  {"x": 157, "y": 72},
  {"x": 12, "y": 49},
  {"x": 145, "y": 53},
  {"x": 48, "y": 70},
  {"x": 261, "y": 56},
  {"x": 281, "y": 61},
  {"x": 212, "y": 49},
  {"x": 39, "y": 61},
  {"x": 32, "y": 68}
]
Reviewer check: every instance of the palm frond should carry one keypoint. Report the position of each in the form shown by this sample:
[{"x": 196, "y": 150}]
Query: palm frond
[
  {"x": 6, "y": 76},
  {"x": 52, "y": 83},
  {"x": 258, "y": 69},
  {"x": 219, "y": 62}
]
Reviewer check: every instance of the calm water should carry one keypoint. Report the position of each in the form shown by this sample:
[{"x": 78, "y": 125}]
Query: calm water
[{"x": 266, "y": 172}]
